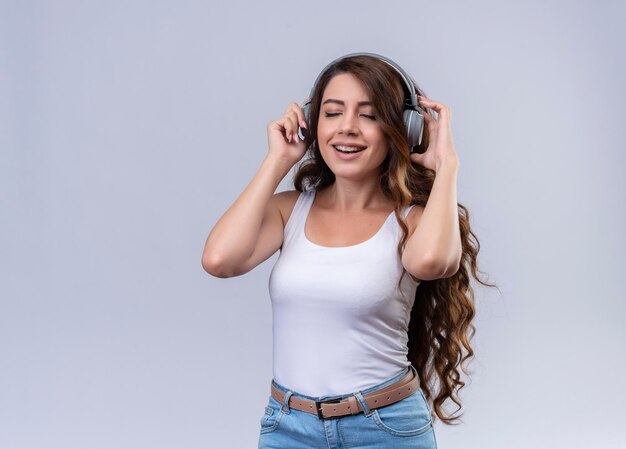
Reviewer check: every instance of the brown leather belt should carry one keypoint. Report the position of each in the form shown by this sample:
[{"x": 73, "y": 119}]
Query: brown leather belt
[{"x": 395, "y": 392}]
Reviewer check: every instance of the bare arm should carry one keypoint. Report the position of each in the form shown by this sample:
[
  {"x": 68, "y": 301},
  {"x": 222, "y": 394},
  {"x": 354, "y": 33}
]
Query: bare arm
[
  {"x": 434, "y": 248},
  {"x": 433, "y": 251},
  {"x": 234, "y": 237},
  {"x": 251, "y": 230}
]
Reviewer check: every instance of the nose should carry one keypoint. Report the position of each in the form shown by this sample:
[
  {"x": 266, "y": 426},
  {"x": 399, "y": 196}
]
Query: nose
[{"x": 349, "y": 123}]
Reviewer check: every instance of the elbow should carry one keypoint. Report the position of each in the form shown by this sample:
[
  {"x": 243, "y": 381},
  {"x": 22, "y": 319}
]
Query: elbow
[
  {"x": 453, "y": 267},
  {"x": 215, "y": 267},
  {"x": 430, "y": 269},
  {"x": 451, "y": 270},
  {"x": 442, "y": 269}
]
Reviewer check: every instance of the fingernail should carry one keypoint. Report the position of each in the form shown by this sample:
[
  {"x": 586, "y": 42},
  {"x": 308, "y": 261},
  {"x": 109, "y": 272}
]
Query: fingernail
[{"x": 302, "y": 123}]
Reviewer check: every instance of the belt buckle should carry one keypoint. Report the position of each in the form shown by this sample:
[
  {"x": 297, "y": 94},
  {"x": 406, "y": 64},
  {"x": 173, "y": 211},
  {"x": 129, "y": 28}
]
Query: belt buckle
[{"x": 318, "y": 407}]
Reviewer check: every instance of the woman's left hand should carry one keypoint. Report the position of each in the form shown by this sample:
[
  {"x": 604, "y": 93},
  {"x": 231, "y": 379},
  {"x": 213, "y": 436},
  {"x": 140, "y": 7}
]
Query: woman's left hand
[{"x": 440, "y": 146}]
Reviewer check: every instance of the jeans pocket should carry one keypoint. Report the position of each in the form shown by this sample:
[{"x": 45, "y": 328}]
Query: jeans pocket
[
  {"x": 271, "y": 418},
  {"x": 407, "y": 417}
]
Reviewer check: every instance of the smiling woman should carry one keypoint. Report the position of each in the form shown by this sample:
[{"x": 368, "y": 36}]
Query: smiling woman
[
  {"x": 346, "y": 108},
  {"x": 371, "y": 299}
]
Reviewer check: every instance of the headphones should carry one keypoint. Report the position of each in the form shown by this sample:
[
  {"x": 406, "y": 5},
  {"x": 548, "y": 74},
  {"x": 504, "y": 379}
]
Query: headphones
[{"x": 412, "y": 116}]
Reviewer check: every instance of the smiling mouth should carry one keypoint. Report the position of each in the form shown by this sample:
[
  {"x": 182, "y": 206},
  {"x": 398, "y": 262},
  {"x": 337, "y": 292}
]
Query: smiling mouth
[{"x": 348, "y": 152}]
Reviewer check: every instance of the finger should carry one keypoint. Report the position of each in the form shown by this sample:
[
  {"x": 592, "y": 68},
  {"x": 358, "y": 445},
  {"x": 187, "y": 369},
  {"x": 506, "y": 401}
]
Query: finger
[
  {"x": 427, "y": 116},
  {"x": 295, "y": 109},
  {"x": 287, "y": 125},
  {"x": 431, "y": 125},
  {"x": 417, "y": 157},
  {"x": 299, "y": 114},
  {"x": 431, "y": 122},
  {"x": 439, "y": 107},
  {"x": 278, "y": 124},
  {"x": 293, "y": 118},
  {"x": 432, "y": 103}
]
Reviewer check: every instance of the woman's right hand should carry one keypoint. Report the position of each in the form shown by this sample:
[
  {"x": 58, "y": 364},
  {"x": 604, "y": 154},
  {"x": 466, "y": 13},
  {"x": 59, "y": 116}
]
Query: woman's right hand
[{"x": 282, "y": 135}]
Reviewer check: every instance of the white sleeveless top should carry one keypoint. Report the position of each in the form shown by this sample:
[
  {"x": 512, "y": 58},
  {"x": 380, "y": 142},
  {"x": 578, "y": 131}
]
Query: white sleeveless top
[{"x": 339, "y": 324}]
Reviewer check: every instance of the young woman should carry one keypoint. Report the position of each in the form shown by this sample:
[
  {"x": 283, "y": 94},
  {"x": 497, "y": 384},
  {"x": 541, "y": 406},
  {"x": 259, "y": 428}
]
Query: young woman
[{"x": 371, "y": 299}]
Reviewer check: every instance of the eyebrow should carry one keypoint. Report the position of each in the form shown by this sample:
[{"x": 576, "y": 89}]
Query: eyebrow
[{"x": 360, "y": 103}]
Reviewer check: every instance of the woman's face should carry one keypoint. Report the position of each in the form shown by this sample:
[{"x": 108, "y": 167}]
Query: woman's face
[{"x": 343, "y": 120}]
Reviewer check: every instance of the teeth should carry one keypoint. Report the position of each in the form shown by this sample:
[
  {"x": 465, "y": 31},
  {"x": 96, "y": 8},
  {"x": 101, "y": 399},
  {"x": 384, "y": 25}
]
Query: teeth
[{"x": 348, "y": 149}]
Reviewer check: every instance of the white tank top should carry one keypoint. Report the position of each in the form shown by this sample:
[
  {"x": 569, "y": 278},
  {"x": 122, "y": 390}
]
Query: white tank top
[{"x": 339, "y": 324}]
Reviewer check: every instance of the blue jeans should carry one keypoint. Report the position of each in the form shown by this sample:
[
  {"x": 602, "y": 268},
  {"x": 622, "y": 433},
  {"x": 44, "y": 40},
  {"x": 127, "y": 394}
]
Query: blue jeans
[{"x": 403, "y": 424}]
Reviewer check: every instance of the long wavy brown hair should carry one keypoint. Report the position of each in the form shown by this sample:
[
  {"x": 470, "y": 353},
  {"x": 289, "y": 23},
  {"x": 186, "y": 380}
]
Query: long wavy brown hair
[{"x": 440, "y": 327}]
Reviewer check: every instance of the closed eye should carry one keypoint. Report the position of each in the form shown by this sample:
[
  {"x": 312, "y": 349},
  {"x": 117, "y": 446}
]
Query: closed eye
[{"x": 332, "y": 114}]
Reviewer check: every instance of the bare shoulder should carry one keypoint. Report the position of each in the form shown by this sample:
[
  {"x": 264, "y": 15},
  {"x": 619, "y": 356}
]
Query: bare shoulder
[{"x": 286, "y": 201}]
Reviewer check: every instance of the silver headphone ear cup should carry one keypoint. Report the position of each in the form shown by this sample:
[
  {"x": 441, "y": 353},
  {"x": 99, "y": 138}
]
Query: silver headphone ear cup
[
  {"x": 414, "y": 123},
  {"x": 305, "y": 110}
]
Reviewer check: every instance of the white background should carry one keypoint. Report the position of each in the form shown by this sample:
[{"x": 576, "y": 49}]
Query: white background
[{"x": 127, "y": 128}]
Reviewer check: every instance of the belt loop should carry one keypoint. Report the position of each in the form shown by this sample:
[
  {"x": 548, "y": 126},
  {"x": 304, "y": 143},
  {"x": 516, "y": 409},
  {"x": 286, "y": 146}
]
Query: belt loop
[
  {"x": 285, "y": 407},
  {"x": 364, "y": 406},
  {"x": 415, "y": 372}
]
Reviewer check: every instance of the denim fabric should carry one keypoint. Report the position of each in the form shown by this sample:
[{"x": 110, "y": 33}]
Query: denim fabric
[{"x": 403, "y": 424}]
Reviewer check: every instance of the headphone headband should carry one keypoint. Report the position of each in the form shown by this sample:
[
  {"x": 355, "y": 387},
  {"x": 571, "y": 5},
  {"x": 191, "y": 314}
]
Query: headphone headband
[{"x": 405, "y": 76}]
